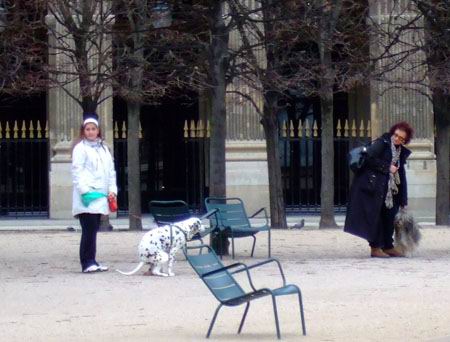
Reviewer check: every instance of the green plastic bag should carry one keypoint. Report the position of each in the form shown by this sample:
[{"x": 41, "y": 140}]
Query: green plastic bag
[{"x": 88, "y": 197}]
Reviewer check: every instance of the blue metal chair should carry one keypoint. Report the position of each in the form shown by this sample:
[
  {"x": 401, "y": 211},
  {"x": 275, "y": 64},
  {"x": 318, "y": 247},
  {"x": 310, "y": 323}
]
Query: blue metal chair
[
  {"x": 168, "y": 212},
  {"x": 232, "y": 218},
  {"x": 221, "y": 282}
]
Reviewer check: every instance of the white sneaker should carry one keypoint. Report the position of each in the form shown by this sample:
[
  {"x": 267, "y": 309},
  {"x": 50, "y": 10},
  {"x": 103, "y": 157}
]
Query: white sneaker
[
  {"x": 91, "y": 269},
  {"x": 102, "y": 268}
]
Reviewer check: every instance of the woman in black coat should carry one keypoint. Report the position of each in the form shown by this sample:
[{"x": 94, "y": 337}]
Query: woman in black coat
[{"x": 379, "y": 189}]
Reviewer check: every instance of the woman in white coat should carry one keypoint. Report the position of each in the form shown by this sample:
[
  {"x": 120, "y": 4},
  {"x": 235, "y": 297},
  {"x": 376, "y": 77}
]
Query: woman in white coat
[{"x": 94, "y": 179}]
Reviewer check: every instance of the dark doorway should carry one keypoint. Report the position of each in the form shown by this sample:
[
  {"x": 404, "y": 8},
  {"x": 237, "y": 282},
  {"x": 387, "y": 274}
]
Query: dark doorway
[
  {"x": 171, "y": 164},
  {"x": 300, "y": 153},
  {"x": 23, "y": 156}
]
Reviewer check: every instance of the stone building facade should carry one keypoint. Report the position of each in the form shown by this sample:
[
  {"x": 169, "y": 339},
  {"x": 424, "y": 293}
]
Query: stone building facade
[{"x": 246, "y": 159}]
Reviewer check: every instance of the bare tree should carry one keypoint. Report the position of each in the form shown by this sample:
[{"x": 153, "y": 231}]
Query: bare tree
[
  {"x": 429, "y": 23},
  {"x": 79, "y": 36},
  {"x": 21, "y": 56},
  {"x": 300, "y": 47},
  {"x": 437, "y": 48}
]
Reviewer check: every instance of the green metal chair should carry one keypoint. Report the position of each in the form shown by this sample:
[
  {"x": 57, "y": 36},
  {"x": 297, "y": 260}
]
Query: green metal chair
[
  {"x": 232, "y": 218},
  {"x": 221, "y": 282},
  {"x": 168, "y": 212}
]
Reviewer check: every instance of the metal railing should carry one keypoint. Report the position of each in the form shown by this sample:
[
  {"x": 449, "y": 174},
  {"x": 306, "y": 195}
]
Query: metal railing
[
  {"x": 23, "y": 169},
  {"x": 300, "y": 153},
  {"x": 179, "y": 171}
]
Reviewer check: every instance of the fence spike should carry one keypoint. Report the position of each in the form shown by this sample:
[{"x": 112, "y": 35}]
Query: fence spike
[
  {"x": 15, "y": 130},
  {"x": 192, "y": 129},
  {"x": 116, "y": 130},
  {"x": 7, "y": 130},
  {"x": 307, "y": 129},
  {"x": 369, "y": 129},
  {"x": 124, "y": 130},
  {"x": 23, "y": 130},
  {"x": 300, "y": 128},
  {"x": 31, "y": 129},
  {"x": 186, "y": 129},
  {"x": 315, "y": 128},
  {"x": 338, "y": 128},
  {"x": 200, "y": 129},
  {"x": 39, "y": 130},
  {"x": 291, "y": 128},
  {"x": 346, "y": 128},
  {"x": 353, "y": 128},
  {"x": 361, "y": 129},
  {"x": 46, "y": 129},
  {"x": 140, "y": 130},
  {"x": 283, "y": 129}
]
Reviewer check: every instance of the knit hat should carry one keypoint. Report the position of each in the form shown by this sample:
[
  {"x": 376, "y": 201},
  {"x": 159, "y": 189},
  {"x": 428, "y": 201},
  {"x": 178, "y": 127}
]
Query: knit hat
[{"x": 90, "y": 118}]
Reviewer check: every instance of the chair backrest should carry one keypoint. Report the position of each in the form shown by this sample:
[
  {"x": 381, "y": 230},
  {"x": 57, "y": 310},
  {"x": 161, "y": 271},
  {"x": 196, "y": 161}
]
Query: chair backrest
[
  {"x": 166, "y": 212},
  {"x": 222, "y": 284},
  {"x": 231, "y": 212}
]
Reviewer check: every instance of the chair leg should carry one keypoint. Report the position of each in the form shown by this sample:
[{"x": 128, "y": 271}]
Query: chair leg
[
  {"x": 302, "y": 315},
  {"x": 213, "y": 321},
  {"x": 254, "y": 243},
  {"x": 275, "y": 312},
  {"x": 243, "y": 318},
  {"x": 232, "y": 246},
  {"x": 269, "y": 243},
  {"x": 200, "y": 249}
]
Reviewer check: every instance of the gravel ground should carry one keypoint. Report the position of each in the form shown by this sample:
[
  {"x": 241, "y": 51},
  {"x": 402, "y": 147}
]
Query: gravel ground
[{"x": 347, "y": 295}]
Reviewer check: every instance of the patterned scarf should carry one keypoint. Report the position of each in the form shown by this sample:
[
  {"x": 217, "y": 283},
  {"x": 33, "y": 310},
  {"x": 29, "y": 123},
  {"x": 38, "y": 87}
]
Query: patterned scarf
[{"x": 394, "y": 178}]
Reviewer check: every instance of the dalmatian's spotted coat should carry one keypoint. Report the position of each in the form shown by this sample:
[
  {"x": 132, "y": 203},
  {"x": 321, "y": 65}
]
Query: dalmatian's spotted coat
[{"x": 159, "y": 246}]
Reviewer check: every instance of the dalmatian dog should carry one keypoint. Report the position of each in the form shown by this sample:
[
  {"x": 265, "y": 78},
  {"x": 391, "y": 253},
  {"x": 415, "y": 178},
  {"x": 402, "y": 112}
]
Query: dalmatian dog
[{"x": 159, "y": 246}]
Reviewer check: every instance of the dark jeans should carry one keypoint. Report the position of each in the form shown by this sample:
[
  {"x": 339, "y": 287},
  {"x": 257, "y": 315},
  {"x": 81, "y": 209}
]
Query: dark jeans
[
  {"x": 88, "y": 245},
  {"x": 386, "y": 226}
]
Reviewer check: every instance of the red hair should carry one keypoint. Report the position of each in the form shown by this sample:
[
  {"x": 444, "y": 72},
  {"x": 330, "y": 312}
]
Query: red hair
[{"x": 405, "y": 127}]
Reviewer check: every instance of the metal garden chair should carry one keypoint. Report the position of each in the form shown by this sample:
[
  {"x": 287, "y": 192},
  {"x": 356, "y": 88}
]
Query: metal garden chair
[
  {"x": 221, "y": 282},
  {"x": 232, "y": 218},
  {"x": 167, "y": 212}
]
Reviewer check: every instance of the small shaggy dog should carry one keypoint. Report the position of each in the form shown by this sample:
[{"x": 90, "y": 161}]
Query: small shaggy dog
[
  {"x": 407, "y": 232},
  {"x": 159, "y": 246}
]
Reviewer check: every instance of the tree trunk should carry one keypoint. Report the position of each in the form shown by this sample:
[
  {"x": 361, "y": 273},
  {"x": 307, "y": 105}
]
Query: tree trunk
[
  {"x": 327, "y": 140},
  {"x": 89, "y": 104},
  {"x": 277, "y": 209},
  {"x": 218, "y": 50},
  {"x": 217, "y": 70},
  {"x": 441, "y": 104},
  {"x": 133, "y": 165}
]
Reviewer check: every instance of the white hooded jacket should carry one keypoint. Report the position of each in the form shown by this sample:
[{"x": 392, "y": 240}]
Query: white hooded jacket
[{"x": 92, "y": 170}]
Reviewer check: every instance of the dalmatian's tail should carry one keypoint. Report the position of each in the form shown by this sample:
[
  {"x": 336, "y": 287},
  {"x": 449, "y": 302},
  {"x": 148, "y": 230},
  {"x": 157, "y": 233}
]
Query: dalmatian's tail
[{"x": 138, "y": 267}]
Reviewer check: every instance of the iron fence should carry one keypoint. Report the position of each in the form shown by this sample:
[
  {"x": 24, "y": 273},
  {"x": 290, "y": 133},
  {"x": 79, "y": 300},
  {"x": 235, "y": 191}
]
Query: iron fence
[
  {"x": 300, "y": 153},
  {"x": 175, "y": 170},
  {"x": 24, "y": 169}
]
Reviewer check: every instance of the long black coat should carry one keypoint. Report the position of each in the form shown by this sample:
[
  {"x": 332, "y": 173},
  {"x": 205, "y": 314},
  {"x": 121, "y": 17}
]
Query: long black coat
[{"x": 369, "y": 188}]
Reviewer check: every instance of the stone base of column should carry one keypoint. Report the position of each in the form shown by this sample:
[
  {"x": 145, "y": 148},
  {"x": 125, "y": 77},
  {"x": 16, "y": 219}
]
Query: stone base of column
[
  {"x": 421, "y": 175},
  {"x": 61, "y": 182},
  {"x": 246, "y": 173}
]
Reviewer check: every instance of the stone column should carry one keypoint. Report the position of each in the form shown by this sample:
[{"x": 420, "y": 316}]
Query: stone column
[
  {"x": 246, "y": 156},
  {"x": 65, "y": 118},
  {"x": 403, "y": 98}
]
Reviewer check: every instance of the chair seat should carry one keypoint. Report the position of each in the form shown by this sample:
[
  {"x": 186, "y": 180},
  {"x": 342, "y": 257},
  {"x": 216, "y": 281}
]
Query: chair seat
[
  {"x": 285, "y": 290},
  {"x": 247, "y": 297},
  {"x": 281, "y": 291},
  {"x": 241, "y": 232}
]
